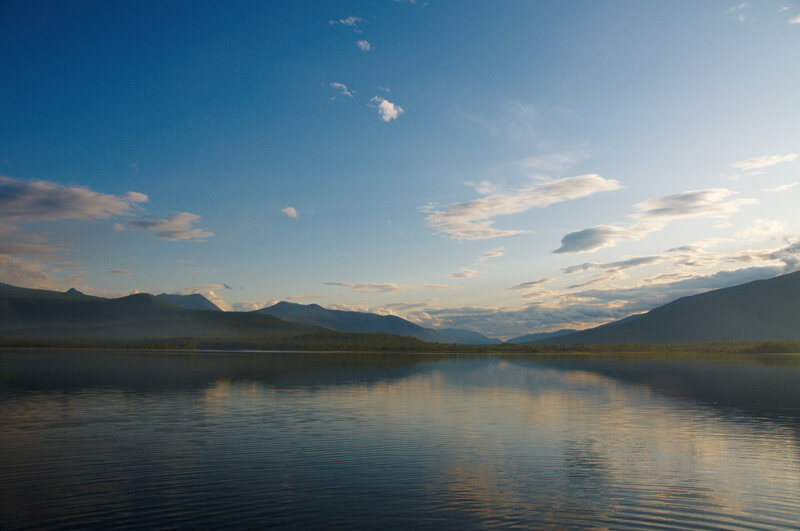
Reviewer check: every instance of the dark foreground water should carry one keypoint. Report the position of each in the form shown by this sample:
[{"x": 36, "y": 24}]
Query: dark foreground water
[{"x": 159, "y": 439}]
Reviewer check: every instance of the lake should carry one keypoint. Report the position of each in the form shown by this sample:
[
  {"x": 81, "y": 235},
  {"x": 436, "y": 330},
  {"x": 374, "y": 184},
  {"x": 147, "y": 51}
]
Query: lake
[{"x": 313, "y": 440}]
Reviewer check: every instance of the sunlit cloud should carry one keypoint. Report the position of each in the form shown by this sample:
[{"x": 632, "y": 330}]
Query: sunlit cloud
[
  {"x": 763, "y": 162},
  {"x": 781, "y": 188},
  {"x": 654, "y": 215},
  {"x": 763, "y": 228},
  {"x": 175, "y": 227},
  {"x": 795, "y": 20},
  {"x": 473, "y": 220},
  {"x": 387, "y": 110},
  {"x": 389, "y": 287},
  {"x": 463, "y": 273},
  {"x": 363, "y": 45},
  {"x": 291, "y": 212},
  {"x": 494, "y": 253}
]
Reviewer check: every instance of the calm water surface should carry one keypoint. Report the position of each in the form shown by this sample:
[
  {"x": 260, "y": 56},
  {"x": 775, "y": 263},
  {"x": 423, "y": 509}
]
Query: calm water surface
[{"x": 144, "y": 439}]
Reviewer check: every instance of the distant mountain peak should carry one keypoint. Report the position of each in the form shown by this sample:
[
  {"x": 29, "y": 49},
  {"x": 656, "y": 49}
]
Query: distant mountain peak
[
  {"x": 73, "y": 291},
  {"x": 194, "y": 301}
]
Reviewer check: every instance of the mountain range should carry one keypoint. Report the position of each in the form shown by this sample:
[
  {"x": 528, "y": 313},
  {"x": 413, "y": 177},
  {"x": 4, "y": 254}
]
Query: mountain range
[
  {"x": 762, "y": 310},
  {"x": 349, "y": 321}
]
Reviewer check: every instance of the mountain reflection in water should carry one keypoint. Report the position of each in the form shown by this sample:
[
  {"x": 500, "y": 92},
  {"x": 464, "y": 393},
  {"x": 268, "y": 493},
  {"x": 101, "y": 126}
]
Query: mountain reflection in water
[{"x": 383, "y": 440}]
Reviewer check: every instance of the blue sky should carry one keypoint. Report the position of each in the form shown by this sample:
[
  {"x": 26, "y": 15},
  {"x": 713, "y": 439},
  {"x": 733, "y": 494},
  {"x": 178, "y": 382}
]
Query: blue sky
[{"x": 506, "y": 167}]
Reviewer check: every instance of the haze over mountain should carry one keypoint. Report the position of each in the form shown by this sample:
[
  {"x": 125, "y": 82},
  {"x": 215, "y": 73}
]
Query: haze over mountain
[
  {"x": 756, "y": 311},
  {"x": 532, "y": 338},
  {"x": 349, "y": 321}
]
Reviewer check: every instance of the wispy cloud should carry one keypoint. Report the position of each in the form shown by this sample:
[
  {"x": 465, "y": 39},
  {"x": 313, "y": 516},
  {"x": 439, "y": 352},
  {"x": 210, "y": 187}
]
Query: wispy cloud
[
  {"x": 757, "y": 163},
  {"x": 736, "y": 11},
  {"x": 494, "y": 253},
  {"x": 175, "y": 227},
  {"x": 120, "y": 272},
  {"x": 781, "y": 188},
  {"x": 291, "y": 212},
  {"x": 341, "y": 90},
  {"x": 387, "y": 110},
  {"x": 364, "y": 45},
  {"x": 473, "y": 220},
  {"x": 350, "y": 22},
  {"x": 33, "y": 273},
  {"x": 389, "y": 287},
  {"x": 463, "y": 273},
  {"x": 654, "y": 215},
  {"x": 27, "y": 249},
  {"x": 795, "y": 20}
]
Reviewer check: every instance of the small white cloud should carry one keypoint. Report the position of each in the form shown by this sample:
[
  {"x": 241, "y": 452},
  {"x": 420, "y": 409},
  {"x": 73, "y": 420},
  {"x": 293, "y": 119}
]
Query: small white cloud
[
  {"x": 783, "y": 9},
  {"x": 350, "y": 22},
  {"x": 757, "y": 163},
  {"x": 387, "y": 110},
  {"x": 463, "y": 273},
  {"x": 781, "y": 188},
  {"x": 291, "y": 212},
  {"x": 764, "y": 228},
  {"x": 363, "y": 45},
  {"x": 795, "y": 20},
  {"x": 342, "y": 90},
  {"x": 735, "y": 8}
]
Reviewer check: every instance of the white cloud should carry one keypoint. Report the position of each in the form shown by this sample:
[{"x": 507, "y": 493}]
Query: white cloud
[
  {"x": 473, "y": 220},
  {"x": 351, "y": 22},
  {"x": 387, "y": 110},
  {"x": 291, "y": 212},
  {"x": 795, "y": 20},
  {"x": 781, "y": 188},
  {"x": 463, "y": 273},
  {"x": 764, "y": 228},
  {"x": 175, "y": 227},
  {"x": 654, "y": 214},
  {"x": 342, "y": 90},
  {"x": 494, "y": 253},
  {"x": 363, "y": 45},
  {"x": 783, "y": 8},
  {"x": 763, "y": 162}
]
